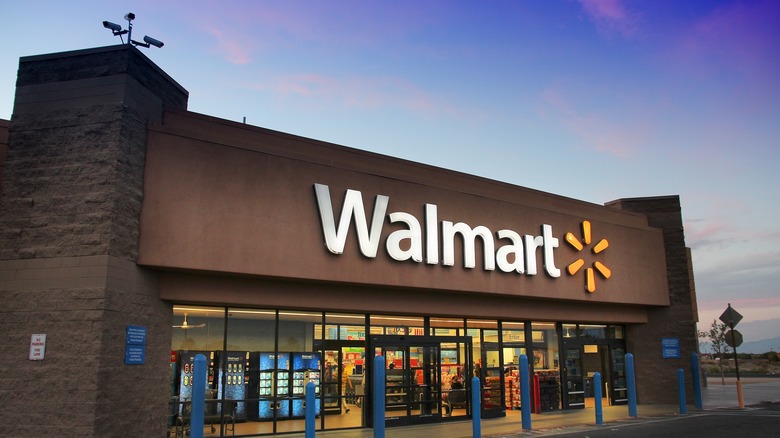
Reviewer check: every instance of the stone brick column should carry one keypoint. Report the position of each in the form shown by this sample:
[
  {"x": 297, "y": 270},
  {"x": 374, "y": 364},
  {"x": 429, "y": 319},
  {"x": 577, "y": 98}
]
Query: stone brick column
[
  {"x": 656, "y": 377},
  {"x": 69, "y": 222}
]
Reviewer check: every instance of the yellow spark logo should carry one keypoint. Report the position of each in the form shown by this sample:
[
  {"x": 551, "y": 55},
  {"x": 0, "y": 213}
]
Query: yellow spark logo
[{"x": 590, "y": 278}]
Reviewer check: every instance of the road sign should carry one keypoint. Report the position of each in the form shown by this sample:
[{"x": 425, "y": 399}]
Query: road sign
[
  {"x": 733, "y": 338},
  {"x": 731, "y": 317}
]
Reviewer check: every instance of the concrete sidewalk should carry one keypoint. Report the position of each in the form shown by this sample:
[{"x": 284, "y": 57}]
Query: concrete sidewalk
[{"x": 714, "y": 396}]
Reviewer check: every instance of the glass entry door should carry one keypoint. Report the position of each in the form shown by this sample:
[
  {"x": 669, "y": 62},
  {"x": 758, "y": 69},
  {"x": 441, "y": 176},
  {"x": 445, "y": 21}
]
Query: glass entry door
[
  {"x": 413, "y": 377},
  {"x": 575, "y": 384},
  {"x": 342, "y": 380},
  {"x": 618, "y": 386},
  {"x": 583, "y": 360}
]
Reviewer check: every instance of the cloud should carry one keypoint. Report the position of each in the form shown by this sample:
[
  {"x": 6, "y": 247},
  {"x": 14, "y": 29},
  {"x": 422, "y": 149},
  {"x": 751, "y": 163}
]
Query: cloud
[
  {"x": 611, "y": 17},
  {"x": 230, "y": 46},
  {"x": 596, "y": 131},
  {"x": 320, "y": 91},
  {"x": 739, "y": 42}
]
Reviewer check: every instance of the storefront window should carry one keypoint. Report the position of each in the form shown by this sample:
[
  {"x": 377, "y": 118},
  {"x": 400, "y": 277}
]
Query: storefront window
[
  {"x": 196, "y": 331},
  {"x": 446, "y": 326},
  {"x": 345, "y": 327},
  {"x": 513, "y": 346},
  {"x": 397, "y": 325},
  {"x": 487, "y": 355},
  {"x": 296, "y": 361},
  {"x": 198, "y": 328},
  {"x": 570, "y": 331},
  {"x": 546, "y": 365},
  {"x": 251, "y": 333},
  {"x": 593, "y": 331}
]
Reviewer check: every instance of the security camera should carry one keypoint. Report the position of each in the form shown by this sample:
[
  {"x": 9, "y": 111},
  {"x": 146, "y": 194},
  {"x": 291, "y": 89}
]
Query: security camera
[
  {"x": 130, "y": 16},
  {"x": 152, "y": 41},
  {"x": 113, "y": 26}
]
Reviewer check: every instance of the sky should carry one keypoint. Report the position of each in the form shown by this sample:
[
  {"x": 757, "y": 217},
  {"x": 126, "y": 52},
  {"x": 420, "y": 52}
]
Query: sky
[{"x": 590, "y": 99}]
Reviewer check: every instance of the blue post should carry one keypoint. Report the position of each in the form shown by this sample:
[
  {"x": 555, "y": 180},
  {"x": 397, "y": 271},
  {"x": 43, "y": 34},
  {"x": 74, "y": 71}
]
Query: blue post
[
  {"x": 631, "y": 382},
  {"x": 310, "y": 410},
  {"x": 696, "y": 381},
  {"x": 525, "y": 393},
  {"x": 681, "y": 390},
  {"x": 597, "y": 398},
  {"x": 379, "y": 396},
  {"x": 476, "y": 407},
  {"x": 198, "y": 396}
]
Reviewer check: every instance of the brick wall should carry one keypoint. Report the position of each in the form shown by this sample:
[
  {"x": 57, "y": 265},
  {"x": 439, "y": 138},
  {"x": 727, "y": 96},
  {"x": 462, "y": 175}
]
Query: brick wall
[
  {"x": 656, "y": 377},
  {"x": 69, "y": 211}
]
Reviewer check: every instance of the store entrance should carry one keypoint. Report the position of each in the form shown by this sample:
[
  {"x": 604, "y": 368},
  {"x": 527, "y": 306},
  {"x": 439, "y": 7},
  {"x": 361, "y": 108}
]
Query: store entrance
[
  {"x": 585, "y": 358},
  {"x": 343, "y": 376},
  {"x": 419, "y": 377}
]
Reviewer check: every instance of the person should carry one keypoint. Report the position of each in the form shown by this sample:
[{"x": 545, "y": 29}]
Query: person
[
  {"x": 455, "y": 382},
  {"x": 391, "y": 366},
  {"x": 455, "y": 396},
  {"x": 346, "y": 384}
]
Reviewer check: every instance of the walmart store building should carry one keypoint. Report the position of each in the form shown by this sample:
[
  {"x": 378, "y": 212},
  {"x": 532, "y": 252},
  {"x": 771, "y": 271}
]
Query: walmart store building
[{"x": 136, "y": 234}]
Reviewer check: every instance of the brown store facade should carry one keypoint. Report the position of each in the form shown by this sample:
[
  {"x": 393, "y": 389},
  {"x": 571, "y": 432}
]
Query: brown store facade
[{"x": 136, "y": 234}]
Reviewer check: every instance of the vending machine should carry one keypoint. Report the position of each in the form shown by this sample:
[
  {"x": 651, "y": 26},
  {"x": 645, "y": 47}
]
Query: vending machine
[
  {"x": 235, "y": 367},
  {"x": 306, "y": 368},
  {"x": 271, "y": 385},
  {"x": 283, "y": 382},
  {"x": 186, "y": 371}
]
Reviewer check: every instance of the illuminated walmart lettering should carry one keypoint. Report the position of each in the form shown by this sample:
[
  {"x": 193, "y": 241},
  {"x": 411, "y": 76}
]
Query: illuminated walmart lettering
[{"x": 510, "y": 252}]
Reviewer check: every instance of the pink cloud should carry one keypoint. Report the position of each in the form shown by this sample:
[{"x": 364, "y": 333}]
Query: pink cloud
[
  {"x": 242, "y": 30},
  {"x": 595, "y": 130},
  {"x": 611, "y": 17},
  {"x": 739, "y": 41},
  {"x": 231, "y": 47},
  {"x": 366, "y": 93}
]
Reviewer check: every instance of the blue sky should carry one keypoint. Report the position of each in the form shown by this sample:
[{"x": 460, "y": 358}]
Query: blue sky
[{"x": 593, "y": 100}]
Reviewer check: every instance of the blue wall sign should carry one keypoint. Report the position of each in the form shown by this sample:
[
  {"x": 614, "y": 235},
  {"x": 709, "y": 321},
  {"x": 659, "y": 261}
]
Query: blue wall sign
[
  {"x": 135, "y": 345},
  {"x": 670, "y": 348},
  {"x": 135, "y": 354},
  {"x": 136, "y": 335}
]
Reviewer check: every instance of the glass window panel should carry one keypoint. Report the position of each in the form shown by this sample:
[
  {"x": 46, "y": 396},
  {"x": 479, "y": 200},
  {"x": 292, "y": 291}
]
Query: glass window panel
[
  {"x": 546, "y": 364},
  {"x": 513, "y": 335},
  {"x": 198, "y": 328},
  {"x": 593, "y": 331},
  {"x": 196, "y": 331},
  {"x": 398, "y": 325},
  {"x": 296, "y": 358},
  {"x": 249, "y": 332},
  {"x": 569, "y": 331},
  {"x": 346, "y": 327},
  {"x": 296, "y": 330},
  {"x": 480, "y": 323},
  {"x": 446, "y": 326}
]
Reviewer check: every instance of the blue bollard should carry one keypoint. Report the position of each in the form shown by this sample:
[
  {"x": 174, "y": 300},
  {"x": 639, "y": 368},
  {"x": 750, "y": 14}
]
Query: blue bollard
[
  {"x": 525, "y": 393},
  {"x": 631, "y": 382},
  {"x": 681, "y": 390},
  {"x": 597, "y": 398},
  {"x": 310, "y": 410},
  {"x": 476, "y": 408},
  {"x": 379, "y": 396},
  {"x": 197, "y": 409},
  {"x": 696, "y": 381}
]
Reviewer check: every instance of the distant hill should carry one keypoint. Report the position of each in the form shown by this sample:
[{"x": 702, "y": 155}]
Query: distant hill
[
  {"x": 762, "y": 346},
  {"x": 759, "y": 336},
  {"x": 752, "y": 347}
]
